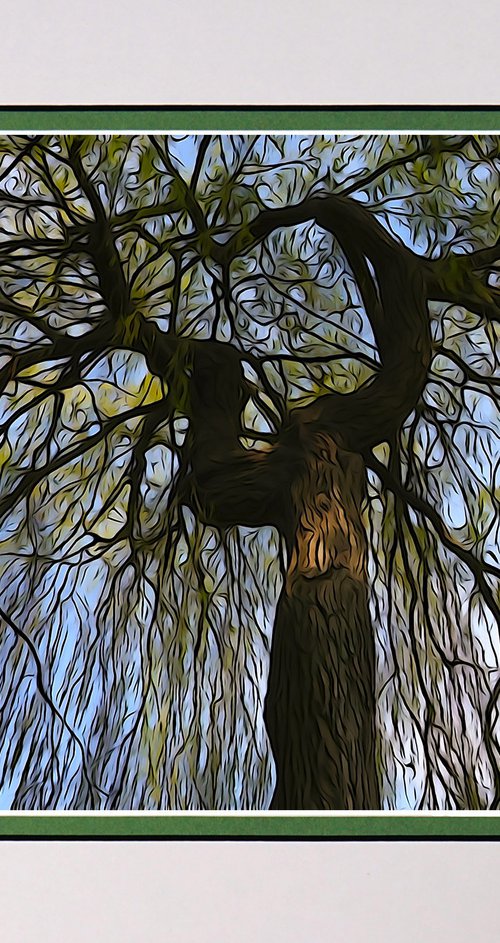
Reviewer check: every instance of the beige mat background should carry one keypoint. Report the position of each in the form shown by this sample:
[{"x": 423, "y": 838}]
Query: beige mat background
[
  {"x": 258, "y": 52},
  {"x": 249, "y": 892}
]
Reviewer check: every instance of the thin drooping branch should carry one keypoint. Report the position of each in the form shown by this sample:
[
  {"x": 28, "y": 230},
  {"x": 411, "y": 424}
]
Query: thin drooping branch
[
  {"x": 22, "y": 636},
  {"x": 413, "y": 547},
  {"x": 28, "y": 481},
  {"x": 491, "y": 742},
  {"x": 478, "y": 568},
  {"x": 405, "y": 499}
]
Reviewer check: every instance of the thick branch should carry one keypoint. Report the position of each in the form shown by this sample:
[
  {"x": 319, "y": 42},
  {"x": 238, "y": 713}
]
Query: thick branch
[
  {"x": 236, "y": 485},
  {"x": 102, "y": 248},
  {"x": 463, "y": 280},
  {"x": 232, "y": 484},
  {"x": 131, "y": 217},
  {"x": 395, "y": 302},
  {"x": 10, "y": 306},
  {"x": 61, "y": 347}
]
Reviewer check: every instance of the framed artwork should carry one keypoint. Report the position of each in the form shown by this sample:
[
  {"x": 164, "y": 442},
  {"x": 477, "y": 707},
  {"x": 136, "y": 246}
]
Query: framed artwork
[{"x": 249, "y": 547}]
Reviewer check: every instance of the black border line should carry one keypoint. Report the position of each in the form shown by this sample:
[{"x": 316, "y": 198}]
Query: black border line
[
  {"x": 262, "y": 839},
  {"x": 251, "y": 108}
]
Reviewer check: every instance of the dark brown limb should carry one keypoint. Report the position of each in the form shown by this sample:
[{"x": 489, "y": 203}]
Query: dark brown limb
[{"x": 320, "y": 705}]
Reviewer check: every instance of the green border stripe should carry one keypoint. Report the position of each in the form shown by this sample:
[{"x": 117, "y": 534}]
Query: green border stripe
[
  {"x": 199, "y": 826},
  {"x": 226, "y": 119}
]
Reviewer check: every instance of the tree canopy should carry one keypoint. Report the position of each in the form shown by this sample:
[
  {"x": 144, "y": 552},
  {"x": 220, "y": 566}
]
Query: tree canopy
[{"x": 249, "y": 471}]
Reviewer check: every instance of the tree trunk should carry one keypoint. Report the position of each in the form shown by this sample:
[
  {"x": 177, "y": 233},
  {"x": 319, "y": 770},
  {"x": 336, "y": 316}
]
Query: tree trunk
[{"x": 320, "y": 705}]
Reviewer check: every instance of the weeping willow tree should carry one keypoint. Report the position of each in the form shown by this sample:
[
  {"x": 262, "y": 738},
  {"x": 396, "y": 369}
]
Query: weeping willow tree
[{"x": 249, "y": 472}]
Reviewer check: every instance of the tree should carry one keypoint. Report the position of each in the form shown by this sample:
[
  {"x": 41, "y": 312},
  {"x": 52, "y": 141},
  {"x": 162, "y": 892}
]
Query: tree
[{"x": 248, "y": 469}]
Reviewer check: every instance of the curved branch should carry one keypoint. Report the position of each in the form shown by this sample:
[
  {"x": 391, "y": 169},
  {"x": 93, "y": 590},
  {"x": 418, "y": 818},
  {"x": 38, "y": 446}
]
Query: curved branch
[
  {"x": 364, "y": 181},
  {"x": 469, "y": 373},
  {"x": 24, "y": 152},
  {"x": 391, "y": 281}
]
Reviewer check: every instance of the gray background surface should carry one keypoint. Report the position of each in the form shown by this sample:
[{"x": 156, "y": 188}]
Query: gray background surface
[
  {"x": 248, "y": 892},
  {"x": 226, "y": 52}
]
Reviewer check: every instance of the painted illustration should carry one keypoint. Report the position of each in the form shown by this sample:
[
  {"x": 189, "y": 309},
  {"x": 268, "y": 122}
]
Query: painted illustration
[{"x": 249, "y": 471}]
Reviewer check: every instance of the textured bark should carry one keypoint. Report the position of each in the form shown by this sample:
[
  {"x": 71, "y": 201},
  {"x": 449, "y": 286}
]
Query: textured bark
[
  {"x": 230, "y": 484},
  {"x": 320, "y": 706}
]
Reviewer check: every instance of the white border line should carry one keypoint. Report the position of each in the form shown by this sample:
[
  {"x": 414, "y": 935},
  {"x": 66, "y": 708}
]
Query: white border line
[
  {"x": 248, "y": 814},
  {"x": 295, "y": 131}
]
